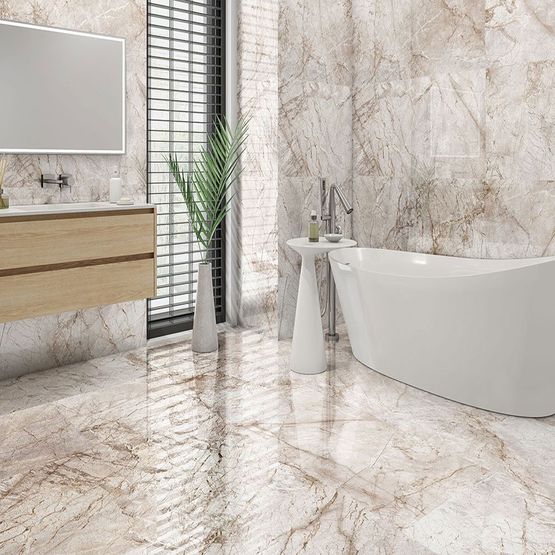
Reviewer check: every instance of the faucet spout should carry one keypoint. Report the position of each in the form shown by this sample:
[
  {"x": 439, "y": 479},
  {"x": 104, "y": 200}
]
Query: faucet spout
[
  {"x": 346, "y": 204},
  {"x": 62, "y": 180}
]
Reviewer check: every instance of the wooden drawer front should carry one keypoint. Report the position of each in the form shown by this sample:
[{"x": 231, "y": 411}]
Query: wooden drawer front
[
  {"x": 30, "y": 243},
  {"x": 36, "y": 294}
]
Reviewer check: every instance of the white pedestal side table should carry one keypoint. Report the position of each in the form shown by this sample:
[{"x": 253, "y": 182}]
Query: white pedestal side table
[{"x": 308, "y": 355}]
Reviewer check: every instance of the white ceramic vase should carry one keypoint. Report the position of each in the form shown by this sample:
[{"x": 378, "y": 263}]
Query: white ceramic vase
[{"x": 205, "y": 334}]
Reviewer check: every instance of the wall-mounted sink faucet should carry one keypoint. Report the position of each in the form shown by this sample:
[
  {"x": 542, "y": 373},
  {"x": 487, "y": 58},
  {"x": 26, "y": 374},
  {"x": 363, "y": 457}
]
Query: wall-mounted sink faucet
[
  {"x": 328, "y": 212},
  {"x": 62, "y": 180}
]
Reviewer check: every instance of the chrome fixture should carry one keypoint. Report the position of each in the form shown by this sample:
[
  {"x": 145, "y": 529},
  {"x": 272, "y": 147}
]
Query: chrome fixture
[
  {"x": 328, "y": 212},
  {"x": 62, "y": 180}
]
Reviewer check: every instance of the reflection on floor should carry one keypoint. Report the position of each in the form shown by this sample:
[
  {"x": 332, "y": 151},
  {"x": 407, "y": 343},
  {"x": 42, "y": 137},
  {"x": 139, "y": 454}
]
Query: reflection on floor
[{"x": 159, "y": 450}]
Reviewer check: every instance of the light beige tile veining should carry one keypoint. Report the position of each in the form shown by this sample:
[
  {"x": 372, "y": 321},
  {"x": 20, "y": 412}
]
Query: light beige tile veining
[
  {"x": 46, "y": 342},
  {"x": 455, "y": 99},
  {"x": 162, "y": 450}
]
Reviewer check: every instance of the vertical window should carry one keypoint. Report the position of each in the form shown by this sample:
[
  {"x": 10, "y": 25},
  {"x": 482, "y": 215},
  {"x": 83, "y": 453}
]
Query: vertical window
[{"x": 185, "y": 94}]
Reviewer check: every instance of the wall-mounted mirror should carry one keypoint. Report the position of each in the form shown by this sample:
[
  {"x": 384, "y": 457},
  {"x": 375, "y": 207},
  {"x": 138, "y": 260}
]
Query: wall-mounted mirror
[{"x": 61, "y": 91}]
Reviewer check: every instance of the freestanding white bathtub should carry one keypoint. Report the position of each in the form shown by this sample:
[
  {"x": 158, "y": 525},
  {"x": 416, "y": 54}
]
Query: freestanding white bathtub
[{"x": 481, "y": 332}]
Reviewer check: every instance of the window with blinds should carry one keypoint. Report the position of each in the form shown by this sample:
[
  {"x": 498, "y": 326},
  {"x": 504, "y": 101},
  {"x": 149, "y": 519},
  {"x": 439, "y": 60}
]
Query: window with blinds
[{"x": 185, "y": 93}]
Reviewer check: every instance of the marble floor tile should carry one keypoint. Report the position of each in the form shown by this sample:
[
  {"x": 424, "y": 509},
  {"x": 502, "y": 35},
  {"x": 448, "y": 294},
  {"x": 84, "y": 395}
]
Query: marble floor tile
[
  {"x": 161, "y": 450},
  {"x": 495, "y": 515}
]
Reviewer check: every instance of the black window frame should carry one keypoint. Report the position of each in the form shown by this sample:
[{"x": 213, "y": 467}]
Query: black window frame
[{"x": 180, "y": 320}]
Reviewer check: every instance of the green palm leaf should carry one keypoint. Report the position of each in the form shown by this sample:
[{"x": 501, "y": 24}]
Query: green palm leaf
[{"x": 207, "y": 186}]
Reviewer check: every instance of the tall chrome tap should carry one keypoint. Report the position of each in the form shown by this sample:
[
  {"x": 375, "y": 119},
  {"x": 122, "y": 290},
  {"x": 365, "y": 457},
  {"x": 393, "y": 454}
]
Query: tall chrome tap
[{"x": 328, "y": 212}]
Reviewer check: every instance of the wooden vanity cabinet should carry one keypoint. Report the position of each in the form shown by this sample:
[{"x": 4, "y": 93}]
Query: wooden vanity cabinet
[{"x": 52, "y": 263}]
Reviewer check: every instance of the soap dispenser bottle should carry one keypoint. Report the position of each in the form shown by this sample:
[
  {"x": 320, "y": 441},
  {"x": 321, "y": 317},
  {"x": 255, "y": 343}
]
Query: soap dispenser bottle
[
  {"x": 313, "y": 228},
  {"x": 115, "y": 186}
]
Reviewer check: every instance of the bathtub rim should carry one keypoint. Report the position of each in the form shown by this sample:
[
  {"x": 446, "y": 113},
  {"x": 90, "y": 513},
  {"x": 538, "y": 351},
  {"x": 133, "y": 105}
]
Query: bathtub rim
[{"x": 524, "y": 263}]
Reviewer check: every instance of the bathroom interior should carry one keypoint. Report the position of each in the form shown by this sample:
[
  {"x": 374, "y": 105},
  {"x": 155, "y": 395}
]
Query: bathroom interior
[{"x": 277, "y": 276}]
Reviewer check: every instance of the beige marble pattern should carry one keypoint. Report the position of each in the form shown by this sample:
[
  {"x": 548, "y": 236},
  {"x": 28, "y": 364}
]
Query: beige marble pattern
[
  {"x": 316, "y": 41},
  {"x": 521, "y": 122},
  {"x": 314, "y": 128},
  {"x": 519, "y": 31},
  {"x": 163, "y": 450},
  {"x": 50, "y": 341},
  {"x": 122, "y": 18},
  {"x": 315, "y": 131},
  {"x": 383, "y": 211},
  {"x": 253, "y": 262},
  {"x": 453, "y": 113}
]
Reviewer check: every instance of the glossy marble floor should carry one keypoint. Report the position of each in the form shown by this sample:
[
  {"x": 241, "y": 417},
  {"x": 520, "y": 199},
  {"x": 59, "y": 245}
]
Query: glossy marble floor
[{"x": 160, "y": 451}]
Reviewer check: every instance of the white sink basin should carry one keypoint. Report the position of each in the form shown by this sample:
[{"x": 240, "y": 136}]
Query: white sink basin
[
  {"x": 32, "y": 209},
  {"x": 68, "y": 207}
]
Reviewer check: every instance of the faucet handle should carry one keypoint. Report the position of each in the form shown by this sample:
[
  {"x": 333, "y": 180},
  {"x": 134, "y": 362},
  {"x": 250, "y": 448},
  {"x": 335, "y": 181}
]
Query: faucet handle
[
  {"x": 47, "y": 178},
  {"x": 62, "y": 180},
  {"x": 66, "y": 180}
]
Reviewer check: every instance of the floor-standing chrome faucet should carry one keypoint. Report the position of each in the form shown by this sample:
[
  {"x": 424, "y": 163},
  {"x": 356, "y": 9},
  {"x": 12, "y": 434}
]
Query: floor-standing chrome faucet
[{"x": 328, "y": 211}]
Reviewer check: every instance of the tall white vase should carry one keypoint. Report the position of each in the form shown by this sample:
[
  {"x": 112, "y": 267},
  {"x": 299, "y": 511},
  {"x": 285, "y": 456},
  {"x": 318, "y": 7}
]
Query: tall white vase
[{"x": 205, "y": 334}]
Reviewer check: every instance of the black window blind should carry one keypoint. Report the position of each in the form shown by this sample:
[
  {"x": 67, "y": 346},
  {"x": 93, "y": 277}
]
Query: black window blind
[{"x": 185, "y": 92}]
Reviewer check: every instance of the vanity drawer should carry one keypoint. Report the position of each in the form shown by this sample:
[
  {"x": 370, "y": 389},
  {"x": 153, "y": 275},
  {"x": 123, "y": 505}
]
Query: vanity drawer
[
  {"x": 51, "y": 292},
  {"x": 56, "y": 240}
]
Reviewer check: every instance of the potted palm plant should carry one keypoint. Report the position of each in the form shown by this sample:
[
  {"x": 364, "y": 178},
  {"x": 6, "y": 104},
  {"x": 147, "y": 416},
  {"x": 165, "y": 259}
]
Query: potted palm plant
[{"x": 207, "y": 189}]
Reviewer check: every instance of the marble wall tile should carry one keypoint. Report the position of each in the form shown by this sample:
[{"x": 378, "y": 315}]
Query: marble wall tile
[
  {"x": 317, "y": 40},
  {"x": 52, "y": 341},
  {"x": 520, "y": 104},
  {"x": 42, "y": 343},
  {"x": 519, "y": 221},
  {"x": 382, "y": 41},
  {"x": 383, "y": 211},
  {"x": 431, "y": 123},
  {"x": 456, "y": 118},
  {"x": 446, "y": 36},
  {"x": 519, "y": 31},
  {"x": 448, "y": 125},
  {"x": 447, "y": 213},
  {"x": 457, "y": 103},
  {"x": 314, "y": 128},
  {"x": 253, "y": 279},
  {"x": 399, "y": 40},
  {"x": 382, "y": 129},
  {"x": 483, "y": 219},
  {"x": 315, "y": 131}
]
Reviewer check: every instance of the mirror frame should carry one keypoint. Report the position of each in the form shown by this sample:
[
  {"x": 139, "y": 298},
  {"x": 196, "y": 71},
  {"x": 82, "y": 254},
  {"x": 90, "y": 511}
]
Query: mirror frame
[{"x": 123, "y": 100}]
